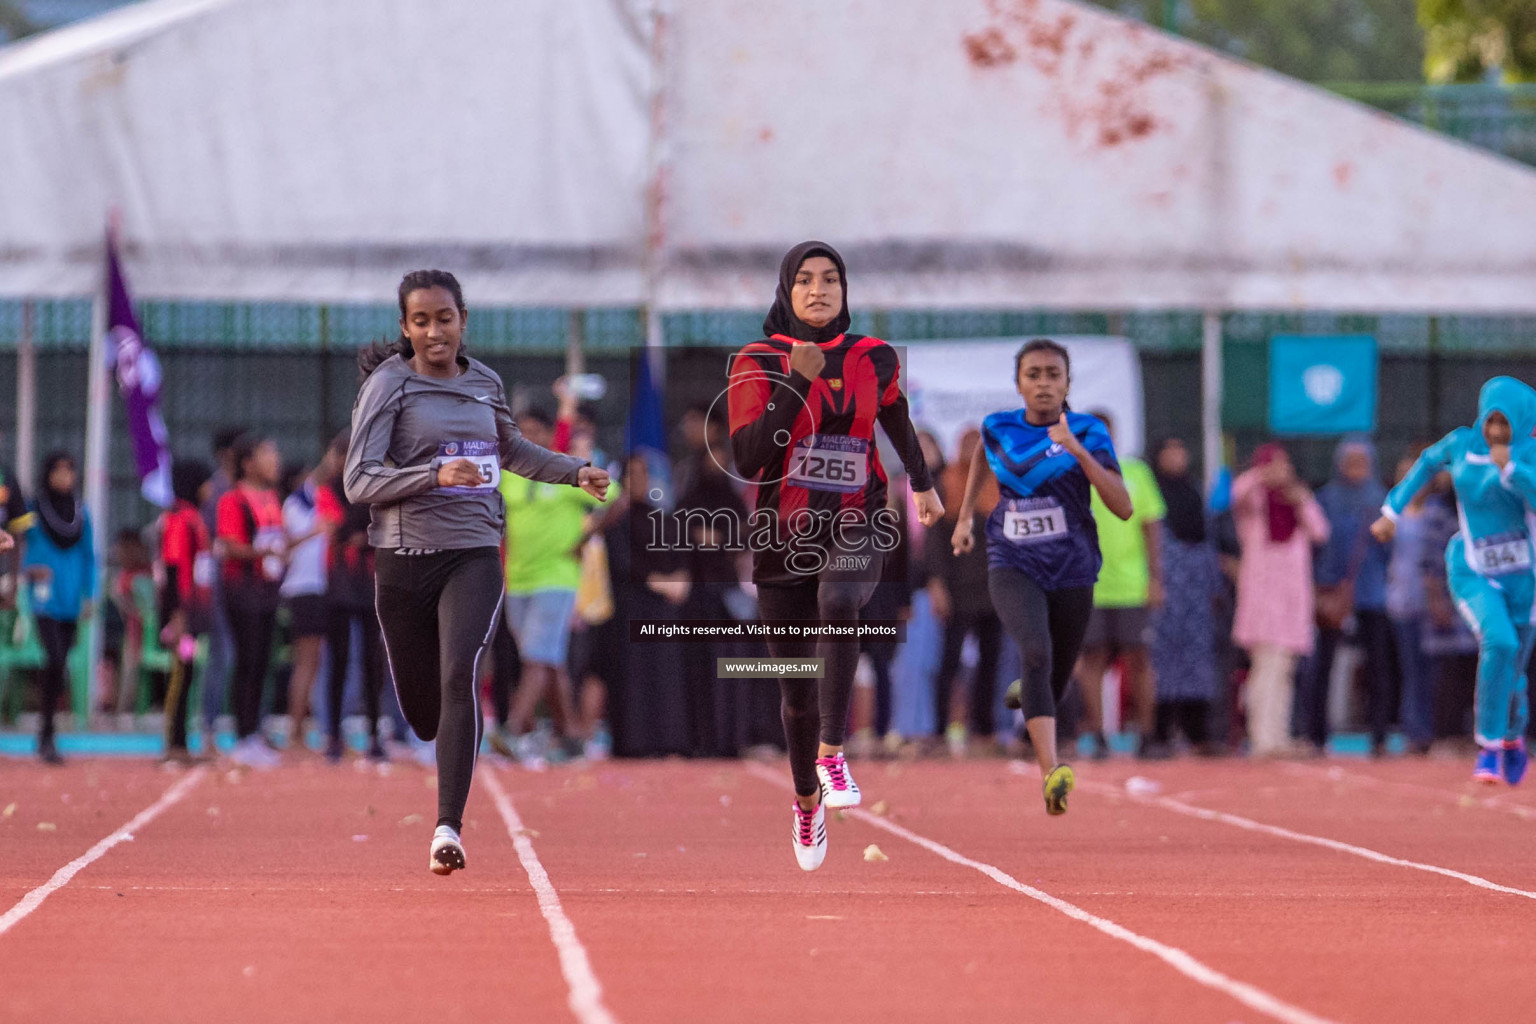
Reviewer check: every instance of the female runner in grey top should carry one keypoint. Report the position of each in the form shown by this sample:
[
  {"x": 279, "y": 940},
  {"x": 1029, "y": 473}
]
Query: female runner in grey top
[{"x": 431, "y": 432}]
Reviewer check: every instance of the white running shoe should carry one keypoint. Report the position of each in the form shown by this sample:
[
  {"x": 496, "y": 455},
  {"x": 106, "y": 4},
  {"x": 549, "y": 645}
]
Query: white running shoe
[
  {"x": 810, "y": 834},
  {"x": 253, "y": 752},
  {"x": 447, "y": 852},
  {"x": 837, "y": 786}
]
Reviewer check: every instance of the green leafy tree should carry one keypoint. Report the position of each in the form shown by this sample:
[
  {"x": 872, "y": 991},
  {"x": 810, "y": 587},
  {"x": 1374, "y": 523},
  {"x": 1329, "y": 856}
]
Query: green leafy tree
[
  {"x": 1472, "y": 40},
  {"x": 1315, "y": 40}
]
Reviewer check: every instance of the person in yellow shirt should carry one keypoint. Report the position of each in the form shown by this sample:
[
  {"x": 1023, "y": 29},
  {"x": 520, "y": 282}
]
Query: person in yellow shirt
[
  {"x": 1129, "y": 587},
  {"x": 547, "y": 524}
]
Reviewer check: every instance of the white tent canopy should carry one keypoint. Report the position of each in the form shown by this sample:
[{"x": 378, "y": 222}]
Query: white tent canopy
[
  {"x": 314, "y": 149},
  {"x": 1014, "y": 153}
]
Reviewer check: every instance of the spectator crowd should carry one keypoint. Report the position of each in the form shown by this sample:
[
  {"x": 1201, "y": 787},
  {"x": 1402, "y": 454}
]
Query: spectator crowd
[{"x": 1262, "y": 617}]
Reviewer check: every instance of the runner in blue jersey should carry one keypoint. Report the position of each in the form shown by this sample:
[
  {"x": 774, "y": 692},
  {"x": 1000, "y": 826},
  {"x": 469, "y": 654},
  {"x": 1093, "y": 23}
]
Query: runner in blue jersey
[
  {"x": 1489, "y": 563},
  {"x": 1042, "y": 545}
]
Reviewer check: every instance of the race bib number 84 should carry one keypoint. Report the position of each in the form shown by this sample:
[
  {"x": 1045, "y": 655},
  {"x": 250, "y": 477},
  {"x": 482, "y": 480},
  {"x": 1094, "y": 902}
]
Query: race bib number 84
[
  {"x": 484, "y": 454},
  {"x": 1499, "y": 556},
  {"x": 835, "y": 462}
]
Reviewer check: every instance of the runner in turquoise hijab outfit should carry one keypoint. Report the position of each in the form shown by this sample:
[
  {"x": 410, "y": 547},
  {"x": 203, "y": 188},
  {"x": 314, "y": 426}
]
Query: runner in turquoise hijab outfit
[{"x": 1490, "y": 562}]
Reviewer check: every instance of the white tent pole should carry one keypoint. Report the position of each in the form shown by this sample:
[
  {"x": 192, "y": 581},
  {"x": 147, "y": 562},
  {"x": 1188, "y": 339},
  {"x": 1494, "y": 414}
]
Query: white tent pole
[
  {"x": 575, "y": 342},
  {"x": 26, "y": 399},
  {"x": 1211, "y": 392},
  {"x": 1219, "y": 198},
  {"x": 98, "y": 416},
  {"x": 655, "y": 172}
]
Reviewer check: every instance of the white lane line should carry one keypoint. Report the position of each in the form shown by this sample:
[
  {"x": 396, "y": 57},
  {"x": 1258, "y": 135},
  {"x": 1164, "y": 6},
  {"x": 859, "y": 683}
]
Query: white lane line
[
  {"x": 586, "y": 995},
  {"x": 1336, "y": 774},
  {"x": 32, "y": 900},
  {"x": 1197, "y": 971},
  {"x": 1237, "y": 821}
]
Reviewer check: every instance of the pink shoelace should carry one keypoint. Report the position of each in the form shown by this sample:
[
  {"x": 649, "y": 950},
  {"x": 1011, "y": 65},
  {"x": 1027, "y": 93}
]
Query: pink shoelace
[
  {"x": 806, "y": 822},
  {"x": 837, "y": 771}
]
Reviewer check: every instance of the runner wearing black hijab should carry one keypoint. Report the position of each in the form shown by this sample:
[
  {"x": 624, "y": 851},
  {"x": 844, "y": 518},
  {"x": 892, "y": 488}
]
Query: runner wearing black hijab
[{"x": 803, "y": 407}]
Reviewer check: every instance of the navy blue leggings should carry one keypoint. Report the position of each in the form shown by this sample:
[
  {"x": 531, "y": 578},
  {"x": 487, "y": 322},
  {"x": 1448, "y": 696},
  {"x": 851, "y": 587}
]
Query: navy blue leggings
[{"x": 1048, "y": 626}]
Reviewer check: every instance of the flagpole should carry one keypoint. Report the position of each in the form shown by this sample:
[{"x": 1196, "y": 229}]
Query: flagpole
[
  {"x": 98, "y": 418},
  {"x": 26, "y": 400}
]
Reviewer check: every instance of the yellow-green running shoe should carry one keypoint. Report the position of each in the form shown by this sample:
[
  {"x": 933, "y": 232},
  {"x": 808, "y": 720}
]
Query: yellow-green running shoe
[
  {"x": 1013, "y": 700},
  {"x": 1057, "y": 785}
]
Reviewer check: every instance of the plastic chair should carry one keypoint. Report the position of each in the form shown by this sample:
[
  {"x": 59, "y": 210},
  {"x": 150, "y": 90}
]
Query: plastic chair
[
  {"x": 154, "y": 656},
  {"x": 20, "y": 650},
  {"x": 282, "y": 657},
  {"x": 78, "y": 668}
]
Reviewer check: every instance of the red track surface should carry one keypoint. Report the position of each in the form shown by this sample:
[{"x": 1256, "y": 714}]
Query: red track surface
[{"x": 254, "y": 899}]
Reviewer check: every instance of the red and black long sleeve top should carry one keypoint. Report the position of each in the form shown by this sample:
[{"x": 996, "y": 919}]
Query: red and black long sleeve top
[{"x": 809, "y": 445}]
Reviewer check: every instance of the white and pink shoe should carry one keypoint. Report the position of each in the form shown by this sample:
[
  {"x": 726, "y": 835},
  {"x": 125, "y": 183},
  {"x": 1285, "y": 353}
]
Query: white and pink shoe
[
  {"x": 838, "y": 789},
  {"x": 810, "y": 836}
]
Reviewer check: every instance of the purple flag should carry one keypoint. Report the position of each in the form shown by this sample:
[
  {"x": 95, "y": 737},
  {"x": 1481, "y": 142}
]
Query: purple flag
[{"x": 138, "y": 381}]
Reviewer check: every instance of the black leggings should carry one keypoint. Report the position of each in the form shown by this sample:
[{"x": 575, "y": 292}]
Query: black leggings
[
  {"x": 339, "y": 639},
  {"x": 881, "y": 654},
  {"x": 252, "y": 615},
  {"x": 176, "y": 705},
  {"x": 438, "y": 612},
  {"x": 508, "y": 671},
  {"x": 1048, "y": 626},
  {"x": 989, "y": 636},
  {"x": 57, "y": 637},
  {"x": 1190, "y": 716},
  {"x": 1373, "y": 631},
  {"x": 814, "y": 708}
]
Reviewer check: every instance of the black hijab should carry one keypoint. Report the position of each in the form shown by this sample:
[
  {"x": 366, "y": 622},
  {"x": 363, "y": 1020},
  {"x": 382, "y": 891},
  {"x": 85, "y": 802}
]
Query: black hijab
[
  {"x": 1186, "y": 509},
  {"x": 58, "y": 512},
  {"x": 781, "y": 318}
]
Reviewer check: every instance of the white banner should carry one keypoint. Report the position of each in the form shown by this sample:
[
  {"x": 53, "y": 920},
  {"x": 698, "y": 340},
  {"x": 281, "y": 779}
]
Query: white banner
[{"x": 952, "y": 385}]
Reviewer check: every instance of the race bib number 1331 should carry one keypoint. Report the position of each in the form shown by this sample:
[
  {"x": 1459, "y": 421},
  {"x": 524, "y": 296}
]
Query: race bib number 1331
[{"x": 1029, "y": 522}]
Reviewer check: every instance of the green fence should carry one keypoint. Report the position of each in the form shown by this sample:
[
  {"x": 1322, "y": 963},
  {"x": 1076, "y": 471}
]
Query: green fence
[{"x": 290, "y": 371}]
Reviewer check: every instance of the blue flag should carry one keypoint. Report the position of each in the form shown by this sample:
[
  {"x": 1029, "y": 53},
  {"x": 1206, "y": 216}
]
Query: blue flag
[{"x": 646, "y": 430}]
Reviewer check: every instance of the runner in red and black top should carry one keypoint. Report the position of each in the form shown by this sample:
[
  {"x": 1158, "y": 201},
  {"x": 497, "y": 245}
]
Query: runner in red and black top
[
  {"x": 803, "y": 407},
  {"x": 350, "y": 592},
  {"x": 254, "y": 549},
  {"x": 186, "y": 554}
]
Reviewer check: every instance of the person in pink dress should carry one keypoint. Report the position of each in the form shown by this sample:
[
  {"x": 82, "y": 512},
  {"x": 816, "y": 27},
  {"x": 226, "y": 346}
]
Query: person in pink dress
[{"x": 1278, "y": 522}]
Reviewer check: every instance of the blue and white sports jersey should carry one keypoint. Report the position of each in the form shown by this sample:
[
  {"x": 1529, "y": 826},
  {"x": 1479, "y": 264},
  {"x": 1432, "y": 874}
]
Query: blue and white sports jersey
[{"x": 1043, "y": 526}]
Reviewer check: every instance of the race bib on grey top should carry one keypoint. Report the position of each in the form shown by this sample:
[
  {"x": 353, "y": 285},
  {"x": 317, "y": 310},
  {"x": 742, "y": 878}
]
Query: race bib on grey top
[{"x": 484, "y": 454}]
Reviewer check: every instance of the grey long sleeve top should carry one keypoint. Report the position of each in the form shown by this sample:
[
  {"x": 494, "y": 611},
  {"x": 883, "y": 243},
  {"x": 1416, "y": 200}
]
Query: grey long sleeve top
[{"x": 406, "y": 425}]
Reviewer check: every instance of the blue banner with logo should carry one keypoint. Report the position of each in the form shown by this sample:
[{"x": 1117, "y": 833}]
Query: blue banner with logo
[{"x": 1322, "y": 384}]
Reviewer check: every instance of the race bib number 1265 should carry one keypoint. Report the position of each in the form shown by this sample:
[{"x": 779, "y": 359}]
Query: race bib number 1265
[{"x": 830, "y": 462}]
